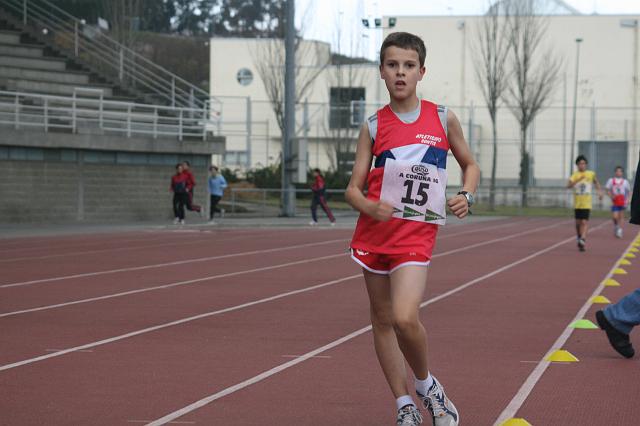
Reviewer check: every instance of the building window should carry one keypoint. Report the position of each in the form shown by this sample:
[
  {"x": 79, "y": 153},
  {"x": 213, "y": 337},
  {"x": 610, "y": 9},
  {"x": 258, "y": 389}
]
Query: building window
[
  {"x": 235, "y": 158},
  {"x": 341, "y": 115}
]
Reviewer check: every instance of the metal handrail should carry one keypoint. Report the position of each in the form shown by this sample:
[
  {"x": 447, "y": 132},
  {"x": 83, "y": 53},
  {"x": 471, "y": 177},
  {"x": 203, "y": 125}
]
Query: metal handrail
[
  {"x": 117, "y": 116},
  {"x": 122, "y": 63}
]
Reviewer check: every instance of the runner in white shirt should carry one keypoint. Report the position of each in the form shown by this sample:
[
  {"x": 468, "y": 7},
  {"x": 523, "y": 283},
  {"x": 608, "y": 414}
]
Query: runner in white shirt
[{"x": 618, "y": 189}]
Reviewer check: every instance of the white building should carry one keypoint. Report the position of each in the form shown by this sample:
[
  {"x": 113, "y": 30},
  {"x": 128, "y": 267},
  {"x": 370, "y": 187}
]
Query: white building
[{"x": 607, "y": 98}]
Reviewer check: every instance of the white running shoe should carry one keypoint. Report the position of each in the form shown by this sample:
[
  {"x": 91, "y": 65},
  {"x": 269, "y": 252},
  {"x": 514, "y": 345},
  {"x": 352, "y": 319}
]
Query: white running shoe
[
  {"x": 182, "y": 222},
  {"x": 313, "y": 223},
  {"x": 333, "y": 223},
  {"x": 619, "y": 232},
  {"x": 443, "y": 411},
  {"x": 176, "y": 221},
  {"x": 409, "y": 416},
  {"x": 212, "y": 222}
]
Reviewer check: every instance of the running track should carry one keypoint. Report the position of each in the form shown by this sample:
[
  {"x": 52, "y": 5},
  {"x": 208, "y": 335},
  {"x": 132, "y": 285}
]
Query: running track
[{"x": 270, "y": 327}]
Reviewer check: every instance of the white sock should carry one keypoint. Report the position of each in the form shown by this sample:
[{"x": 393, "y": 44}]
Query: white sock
[
  {"x": 422, "y": 386},
  {"x": 404, "y": 400}
]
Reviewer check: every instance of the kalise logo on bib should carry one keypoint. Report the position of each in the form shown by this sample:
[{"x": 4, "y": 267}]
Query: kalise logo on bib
[{"x": 419, "y": 169}]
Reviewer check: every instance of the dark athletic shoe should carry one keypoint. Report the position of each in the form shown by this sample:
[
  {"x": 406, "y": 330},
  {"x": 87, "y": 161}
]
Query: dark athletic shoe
[
  {"x": 409, "y": 416},
  {"x": 618, "y": 340},
  {"x": 581, "y": 244},
  {"x": 442, "y": 410}
]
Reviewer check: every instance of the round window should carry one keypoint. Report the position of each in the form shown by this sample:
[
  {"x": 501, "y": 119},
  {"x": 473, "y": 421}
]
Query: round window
[{"x": 244, "y": 76}]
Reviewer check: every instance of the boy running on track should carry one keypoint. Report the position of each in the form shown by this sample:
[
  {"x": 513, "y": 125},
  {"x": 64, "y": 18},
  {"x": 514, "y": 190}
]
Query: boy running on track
[
  {"x": 318, "y": 190},
  {"x": 408, "y": 141},
  {"x": 618, "y": 189},
  {"x": 180, "y": 194},
  {"x": 191, "y": 183},
  {"x": 582, "y": 182}
]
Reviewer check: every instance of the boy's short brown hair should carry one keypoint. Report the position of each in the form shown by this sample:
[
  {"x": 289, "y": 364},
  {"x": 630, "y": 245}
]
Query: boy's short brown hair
[{"x": 404, "y": 41}]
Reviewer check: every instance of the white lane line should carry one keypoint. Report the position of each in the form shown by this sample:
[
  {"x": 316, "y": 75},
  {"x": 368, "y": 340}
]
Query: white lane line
[
  {"x": 118, "y": 249},
  {"x": 172, "y": 423},
  {"x": 535, "y": 376},
  {"x": 177, "y": 322},
  {"x": 298, "y": 356},
  {"x": 196, "y": 317},
  {"x": 166, "y": 264},
  {"x": 57, "y": 350},
  {"x": 212, "y": 277},
  {"x": 266, "y": 374},
  {"x": 487, "y": 228},
  {"x": 175, "y": 284}
]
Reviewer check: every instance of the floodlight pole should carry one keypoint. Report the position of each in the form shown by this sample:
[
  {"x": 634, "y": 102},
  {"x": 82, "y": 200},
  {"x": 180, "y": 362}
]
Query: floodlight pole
[
  {"x": 288, "y": 190},
  {"x": 575, "y": 105}
]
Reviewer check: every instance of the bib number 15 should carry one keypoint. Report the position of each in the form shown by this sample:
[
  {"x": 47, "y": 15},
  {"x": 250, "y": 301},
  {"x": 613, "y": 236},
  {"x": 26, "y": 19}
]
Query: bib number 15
[{"x": 421, "y": 196}]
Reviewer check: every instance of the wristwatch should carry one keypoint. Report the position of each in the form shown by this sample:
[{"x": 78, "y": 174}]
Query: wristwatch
[{"x": 468, "y": 196}]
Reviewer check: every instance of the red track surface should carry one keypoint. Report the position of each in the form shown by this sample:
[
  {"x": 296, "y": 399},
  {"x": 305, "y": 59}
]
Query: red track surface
[{"x": 113, "y": 298}]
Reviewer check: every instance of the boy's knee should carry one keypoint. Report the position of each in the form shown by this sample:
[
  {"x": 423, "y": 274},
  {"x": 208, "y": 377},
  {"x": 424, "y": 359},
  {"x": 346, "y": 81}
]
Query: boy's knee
[
  {"x": 381, "y": 318},
  {"x": 405, "y": 322}
]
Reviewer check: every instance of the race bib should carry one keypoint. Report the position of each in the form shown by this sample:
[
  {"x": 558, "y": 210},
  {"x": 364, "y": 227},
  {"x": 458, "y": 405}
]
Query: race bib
[
  {"x": 583, "y": 188},
  {"x": 416, "y": 191}
]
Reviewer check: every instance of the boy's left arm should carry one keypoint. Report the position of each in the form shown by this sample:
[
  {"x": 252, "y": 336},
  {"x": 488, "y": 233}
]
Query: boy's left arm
[
  {"x": 470, "y": 170},
  {"x": 598, "y": 186}
]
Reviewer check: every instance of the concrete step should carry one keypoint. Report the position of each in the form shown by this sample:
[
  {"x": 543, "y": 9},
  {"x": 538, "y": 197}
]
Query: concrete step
[
  {"x": 30, "y": 50},
  {"x": 43, "y": 63},
  {"x": 10, "y": 37},
  {"x": 34, "y": 86},
  {"x": 68, "y": 77}
]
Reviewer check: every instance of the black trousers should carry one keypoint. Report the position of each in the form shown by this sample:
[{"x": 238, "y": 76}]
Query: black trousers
[
  {"x": 215, "y": 199},
  {"x": 180, "y": 201}
]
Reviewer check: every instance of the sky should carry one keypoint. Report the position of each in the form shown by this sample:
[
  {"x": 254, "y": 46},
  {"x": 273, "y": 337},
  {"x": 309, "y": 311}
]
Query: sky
[{"x": 339, "y": 21}]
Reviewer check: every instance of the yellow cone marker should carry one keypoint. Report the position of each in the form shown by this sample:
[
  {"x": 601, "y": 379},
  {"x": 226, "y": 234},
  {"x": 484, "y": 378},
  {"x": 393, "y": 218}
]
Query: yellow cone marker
[
  {"x": 629, "y": 255},
  {"x": 619, "y": 271},
  {"x": 610, "y": 282},
  {"x": 634, "y": 250},
  {"x": 515, "y": 422},
  {"x": 600, "y": 299},
  {"x": 624, "y": 262},
  {"x": 561, "y": 356},
  {"x": 584, "y": 324}
]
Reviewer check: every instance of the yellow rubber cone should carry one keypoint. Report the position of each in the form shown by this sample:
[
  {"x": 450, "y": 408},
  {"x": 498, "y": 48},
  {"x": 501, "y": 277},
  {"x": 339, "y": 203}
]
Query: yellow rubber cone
[
  {"x": 619, "y": 271},
  {"x": 610, "y": 282},
  {"x": 634, "y": 250},
  {"x": 624, "y": 262},
  {"x": 630, "y": 256},
  {"x": 600, "y": 299},
  {"x": 515, "y": 422},
  {"x": 561, "y": 356}
]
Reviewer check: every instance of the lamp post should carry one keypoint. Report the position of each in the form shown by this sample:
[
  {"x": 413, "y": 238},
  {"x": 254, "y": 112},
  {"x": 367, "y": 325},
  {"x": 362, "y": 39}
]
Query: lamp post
[
  {"x": 633, "y": 23},
  {"x": 376, "y": 24},
  {"x": 575, "y": 104}
]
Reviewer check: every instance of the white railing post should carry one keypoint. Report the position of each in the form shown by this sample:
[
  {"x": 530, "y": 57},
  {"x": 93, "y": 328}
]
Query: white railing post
[
  {"x": 17, "y": 113},
  {"x": 46, "y": 116},
  {"x": 73, "y": 113},
  {"x": 101, "y": 114},
  {"x": 129, "y": 120},
  {"x": 121, "y": 67},
  {"x": 173, "y": 91},
  {"x": 24, "y": 12},
  {"x": 180, "y": 126},
  {"x": 155, "y": 123},
  {"x": 75, "y": 37}
]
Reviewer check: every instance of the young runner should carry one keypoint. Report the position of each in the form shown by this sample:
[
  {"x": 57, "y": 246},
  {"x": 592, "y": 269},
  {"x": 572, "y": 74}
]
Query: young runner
[
  {"x": 191, "y": 183},
  {"x": 217, "y": 184},
  {"x": 319, "y": 198},
  {"x": 618, "y": 189},
  {"x": 408, "y": 141},
  {"x": 582, "y": 182},
  {"x": 179, "y": 182}
]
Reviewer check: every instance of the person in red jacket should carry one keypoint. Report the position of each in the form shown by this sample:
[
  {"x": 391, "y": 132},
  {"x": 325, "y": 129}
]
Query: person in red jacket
[
  {"x": 318, "y": 190},
  {"x": 191, "y": 183},
  {"x": 179, "y": 184}
]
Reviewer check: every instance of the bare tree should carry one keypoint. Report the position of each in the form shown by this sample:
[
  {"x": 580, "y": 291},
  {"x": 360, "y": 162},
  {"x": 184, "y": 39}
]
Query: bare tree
[
  {"x": 347, "y": 75},
  {"x": 490, "y": 56},
  {"x": 534, "y": 72},
  {"x": 124, "y": 19},
  {"x": 268, "y": 58}
]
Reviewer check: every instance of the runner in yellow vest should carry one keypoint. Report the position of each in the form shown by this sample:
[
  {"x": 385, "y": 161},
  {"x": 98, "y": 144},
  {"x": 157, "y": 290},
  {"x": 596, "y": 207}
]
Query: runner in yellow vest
[{"x": 582, "y": 182}]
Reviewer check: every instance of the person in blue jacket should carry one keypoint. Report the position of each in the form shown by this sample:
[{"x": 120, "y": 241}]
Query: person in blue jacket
[{"x": 217, "y": 184}]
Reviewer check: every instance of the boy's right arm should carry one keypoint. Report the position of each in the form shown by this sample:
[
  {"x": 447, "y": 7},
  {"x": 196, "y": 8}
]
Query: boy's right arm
[{"x": 355, "y": 190}]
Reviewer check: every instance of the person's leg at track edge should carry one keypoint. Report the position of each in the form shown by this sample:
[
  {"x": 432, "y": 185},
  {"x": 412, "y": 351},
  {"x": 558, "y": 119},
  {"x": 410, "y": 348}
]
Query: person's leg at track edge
[
  {"x": 314, "y": 210},
  {"x": 385, "y": 341}
]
